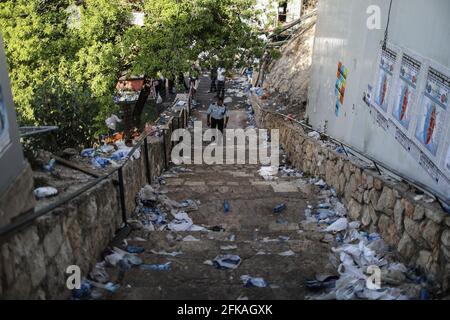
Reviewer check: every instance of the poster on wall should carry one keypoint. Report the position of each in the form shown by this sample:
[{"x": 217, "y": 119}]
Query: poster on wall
[
  {"x": 432, "y": 112},
  {"x": 384, "y": 82},
  {"x": 409, "y": 73},
  {"x": 4, "y": 129},
  {"x": 341, "y": 84}
]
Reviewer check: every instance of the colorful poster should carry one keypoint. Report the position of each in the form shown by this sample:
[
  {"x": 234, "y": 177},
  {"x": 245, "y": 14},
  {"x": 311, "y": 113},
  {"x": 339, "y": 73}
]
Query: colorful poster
[
  {"x": 432, "y": 114},
  {"x": 409, "y": 72},
  {"x": 341, "y": 84},
  {"x": 387, "y": 63},
  {"x": 4, "y": 129}
]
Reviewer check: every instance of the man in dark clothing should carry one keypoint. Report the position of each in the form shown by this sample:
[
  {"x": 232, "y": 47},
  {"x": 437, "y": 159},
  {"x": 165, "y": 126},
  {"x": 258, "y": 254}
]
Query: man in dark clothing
[{"x": 213, "y": 87}]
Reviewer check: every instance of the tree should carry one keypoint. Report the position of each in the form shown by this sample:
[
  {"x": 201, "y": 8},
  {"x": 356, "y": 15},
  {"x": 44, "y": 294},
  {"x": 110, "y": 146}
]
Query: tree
[
  {"x": 64, "y": 61},
  {"x": 178, "y": 31}
]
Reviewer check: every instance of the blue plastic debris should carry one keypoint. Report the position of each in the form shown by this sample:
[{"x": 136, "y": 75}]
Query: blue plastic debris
[
  {"x": 226, "y": 207},
  {"x": 253, "y": 282},
  {"x": 133, "y": 249},
  {"x": 279, "y": 208},
  {"x": 100, "y": 162},
  {"x": 424, "y": 295},
  {"x": 155, "y": 267},
  {"x": 227, "y": 261},
  {"x": 88, "y": 152},
  {"x": 119, "y": 155},
  {"x": 83, "y": 292},
  {"x": 111, "y": 287},
  {"x": 50, "y": 166}
]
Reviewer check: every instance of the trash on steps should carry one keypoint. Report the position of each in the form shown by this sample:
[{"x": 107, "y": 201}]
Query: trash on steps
[
  {"x": 253, "y": 282},
  {"x": 225, "y": 248},
  {"x": 190, "y": 239},
  {"x": 279, "y": 208},
  {"x": 155, "y": 267},
  {"x": 45, "y": 192},
  {"x": 226, "y": 206},
  {"x": 268, "y": 173},
  {"x": 99, "y": 273},
  {"x": 135, "y": 249},
  {"x": 288, "y": 253},
  {"x": 165, "y": 253},
  {"x": 340, "y": 225},
  {"x": 227, "y": 261}
]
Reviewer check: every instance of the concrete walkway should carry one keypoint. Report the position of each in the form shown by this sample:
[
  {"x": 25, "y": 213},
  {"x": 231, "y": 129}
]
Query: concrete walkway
[{"x": 276, "y": 247}]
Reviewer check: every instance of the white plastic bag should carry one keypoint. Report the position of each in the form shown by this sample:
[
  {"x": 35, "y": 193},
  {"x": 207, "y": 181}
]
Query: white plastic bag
[{"x": 159, "y": 100}]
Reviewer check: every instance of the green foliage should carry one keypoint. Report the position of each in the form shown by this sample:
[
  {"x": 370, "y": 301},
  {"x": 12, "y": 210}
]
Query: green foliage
[{"x": 64, "y": 59}]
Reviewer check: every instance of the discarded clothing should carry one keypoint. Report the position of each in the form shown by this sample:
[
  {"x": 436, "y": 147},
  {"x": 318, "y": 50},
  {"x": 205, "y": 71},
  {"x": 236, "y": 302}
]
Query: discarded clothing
[
  {"x": 253, "y": 282},
  {"x": 227, "y": 261}
]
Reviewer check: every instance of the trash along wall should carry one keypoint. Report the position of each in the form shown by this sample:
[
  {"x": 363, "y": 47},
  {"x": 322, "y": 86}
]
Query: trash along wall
[
  {"x": 392, "y": 103},
  {"x": 418, "y": 230},
  {"x": 33, "y": 261}
]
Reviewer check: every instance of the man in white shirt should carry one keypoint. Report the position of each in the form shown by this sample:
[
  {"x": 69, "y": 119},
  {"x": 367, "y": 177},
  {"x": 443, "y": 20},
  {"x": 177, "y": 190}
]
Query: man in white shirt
[
  {"x": 111, "y": 123},
  {"x": 217, "y": 115},
  {"x": 221, "y": 82}
]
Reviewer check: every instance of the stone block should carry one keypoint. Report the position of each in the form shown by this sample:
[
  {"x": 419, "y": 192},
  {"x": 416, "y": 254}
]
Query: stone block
[
  {"x": 431, "y": 233},
  {"x": 406, "y": 246},
  {"x": 399, "y": 210}
]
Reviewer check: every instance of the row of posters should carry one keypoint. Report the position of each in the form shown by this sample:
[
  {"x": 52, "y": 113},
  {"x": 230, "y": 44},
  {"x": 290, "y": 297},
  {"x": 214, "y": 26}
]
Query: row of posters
[
  {"x": 341, "y": 83},
  {"x": 417, "y": 120}
]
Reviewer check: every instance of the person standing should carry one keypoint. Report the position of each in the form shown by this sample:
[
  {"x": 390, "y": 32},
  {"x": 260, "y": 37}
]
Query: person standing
[
  {"x": 213, "y": 87},
  {"x": 217, "y": 115},
  {"x": 221, "y": 82}
]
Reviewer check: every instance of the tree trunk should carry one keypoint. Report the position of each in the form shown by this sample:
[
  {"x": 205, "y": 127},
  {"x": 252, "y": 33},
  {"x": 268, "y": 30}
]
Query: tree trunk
[{"x": 140, "y": 103}]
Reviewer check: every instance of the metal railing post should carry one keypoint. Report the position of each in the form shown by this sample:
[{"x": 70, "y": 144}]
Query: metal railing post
[
  {"x": 122, "y": 196},
  {"x": 165, "y": 149},
  {"x": 147, "y": 162}
]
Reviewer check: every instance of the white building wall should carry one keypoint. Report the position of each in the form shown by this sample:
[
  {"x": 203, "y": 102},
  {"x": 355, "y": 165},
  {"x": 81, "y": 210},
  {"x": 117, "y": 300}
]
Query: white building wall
[{"x": 419, "y": 28}]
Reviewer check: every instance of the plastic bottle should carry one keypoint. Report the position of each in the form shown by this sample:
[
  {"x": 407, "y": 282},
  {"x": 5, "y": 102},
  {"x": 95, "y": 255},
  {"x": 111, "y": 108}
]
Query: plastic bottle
[{"x": 226, "y": 207}]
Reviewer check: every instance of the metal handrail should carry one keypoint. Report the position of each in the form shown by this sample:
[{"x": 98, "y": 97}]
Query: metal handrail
[
  {"x": 360, "y": 154},
  {"x": 26, "y": 219}
]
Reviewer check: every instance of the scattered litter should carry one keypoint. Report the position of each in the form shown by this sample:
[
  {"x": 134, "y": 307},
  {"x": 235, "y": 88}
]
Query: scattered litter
[
  {"x": 340, "y": 225},
  {"x": 268, "y": 173},
  {"x": 100, "y": 162},
  {"x": 279, "y": 208},
  {"x": 155, "y": 267},
  {"x": 88, "y": 152},
  {"x": 228, "y": 248},
  {"x": 133, "y": 249},
  {"x": 228, "y": 100},
  {"x": 45, "y": 192},
  {"x": 208, "y": 262},
  {"x": 314, "y": 135},
  {"x": 288, "y": 253},
  {"x": 253, "y": 282},
  {"x": 190, "y": 239},
  {"x": 227, "y": 261},
  {"x": 99, "y": 273},
  {"x": 83, "y": 292},
  {"x": 226, "y": 207},
  {"x": 320, "y": 183},
  {"x": 232, "y": 237},
  {"x": 164, "y": 253},
  {"x": 50, "y": 166}
]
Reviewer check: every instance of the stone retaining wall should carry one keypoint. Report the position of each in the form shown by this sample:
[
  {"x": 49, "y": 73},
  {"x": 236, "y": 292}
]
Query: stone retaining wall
[
  {"x": 33, "y": 261},
  {"x": 419, "y": 231}
]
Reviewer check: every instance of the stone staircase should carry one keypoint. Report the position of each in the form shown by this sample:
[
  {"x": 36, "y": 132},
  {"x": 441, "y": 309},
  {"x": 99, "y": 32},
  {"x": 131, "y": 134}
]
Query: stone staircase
[{"x": 260, "y": 236}]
